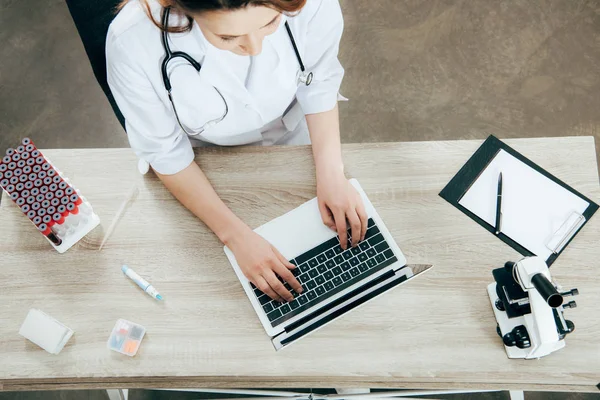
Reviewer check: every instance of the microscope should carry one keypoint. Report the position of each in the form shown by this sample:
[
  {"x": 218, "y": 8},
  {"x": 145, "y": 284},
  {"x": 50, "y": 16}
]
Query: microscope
[{"x": 529, "y": 309}]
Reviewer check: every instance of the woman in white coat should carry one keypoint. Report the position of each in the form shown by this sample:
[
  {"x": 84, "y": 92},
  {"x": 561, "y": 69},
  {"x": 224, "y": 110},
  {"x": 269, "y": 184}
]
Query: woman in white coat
[{"x": 190, "y": 73}]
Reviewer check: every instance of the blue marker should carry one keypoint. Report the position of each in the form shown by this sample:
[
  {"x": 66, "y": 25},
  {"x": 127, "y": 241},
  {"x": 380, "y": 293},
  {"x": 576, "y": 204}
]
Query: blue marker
[{"x": 141, "y": 282}]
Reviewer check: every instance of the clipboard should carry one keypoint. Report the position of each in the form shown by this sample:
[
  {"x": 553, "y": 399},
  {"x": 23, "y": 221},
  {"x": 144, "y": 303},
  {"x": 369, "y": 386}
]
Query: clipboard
[{"x": 466, "y": 177}]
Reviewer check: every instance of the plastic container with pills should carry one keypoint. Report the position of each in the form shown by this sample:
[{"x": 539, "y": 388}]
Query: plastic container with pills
[{"x": 126, "y": 337}]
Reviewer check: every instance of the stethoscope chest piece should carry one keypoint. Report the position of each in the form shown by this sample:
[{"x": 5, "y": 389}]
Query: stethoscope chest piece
[{"x": 304, "y": 78}]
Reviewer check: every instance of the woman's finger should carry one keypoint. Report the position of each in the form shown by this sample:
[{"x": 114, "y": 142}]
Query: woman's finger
[
  {"x": 355, "y": 225},
  {"x": 287, "y": 276},
  {"x": 276, "y": 285},
  {"x": 340, "y": 223},
  {"x": 264, "y": 287},
  {"x": 326, "y": 216},
  {"x": 283, "y": 260},
  {"x": 364, "y": 219}
]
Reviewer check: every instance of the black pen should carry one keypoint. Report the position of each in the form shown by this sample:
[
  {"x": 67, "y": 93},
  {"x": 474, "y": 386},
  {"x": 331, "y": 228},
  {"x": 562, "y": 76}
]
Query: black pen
[{"x": 499, "y": 205}]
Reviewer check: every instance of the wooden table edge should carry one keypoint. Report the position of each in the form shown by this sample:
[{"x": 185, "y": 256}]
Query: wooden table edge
[{"x": 221, "y": 382}]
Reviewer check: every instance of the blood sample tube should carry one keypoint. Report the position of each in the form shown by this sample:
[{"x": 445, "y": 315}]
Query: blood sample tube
[
  {"x": 72, "y": 208},
  {"x": 36, "y": 169},
  {"x": 30, "y": 161},
  {"x": 55, "y": 202},
  {"x": 51, "y": 173},
  {"x": 29, "y": 148},
  {"x": 40, "y": 160},
  {"x": 16, "y": 157},
  {"x": 51, "y": 210},
  {"x": 10, "y": 151},
  {"x": 20, "y": 186},
  {"x": 44, "y": 189},
  {"x": 25, "y": 141},
  {"x": 49, "y": 195},
  {"x": 59, "y": 193},
  {"x": 22, "y": 164},
  {"x": 4, "y": 182},
  {"x": 76, "y": 199},
  {"x": 3, "y": 167},
  {"x": 37, "y": 220},
  {"x": 56, "y": 179},
  {"x": 65, "y": 200},
  {"x": 36, "y": 206},
  {"x": 20, "y": 148},
  {"x": 63, "y": 185},
  {"x": 35, "y": 153},
  {"x": 14, "y": 196},
  {"x": 38, "y": 183},
  {"x": 42, "y": 174},
  {"x": 28, "y": 185},
  {"x": 59, "y": 219},
  {"x": 14, "y": 180},
  {"x": 41, "y": 212},
  {"x": 31, "y": 214},
  {"x": 25, "y": 155},
  {"x": 53, "y": 187},
  {"x": 40, "y": 198},
  {"x": 35, "y": 192},
  {"x": 20, "y": 201},
  {"x": 62, "y": 210},
  {"x": 17, "y": 172},
  {"x": 45, "y": 166},
  {"x": 25, "y": 208},
  {"x": 46, "y": 231},
  {"x": 30, "y": 200},
  {"x": 10, "y": 188},
  {"x": 47, "y": 180},
  {"x": 6, "y": 159},
  {"x": 24, "y": 193}
]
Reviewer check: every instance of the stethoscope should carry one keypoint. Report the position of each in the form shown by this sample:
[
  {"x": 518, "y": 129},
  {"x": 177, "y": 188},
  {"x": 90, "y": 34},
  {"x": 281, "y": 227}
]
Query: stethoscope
[{"x": 303, "y": 77}]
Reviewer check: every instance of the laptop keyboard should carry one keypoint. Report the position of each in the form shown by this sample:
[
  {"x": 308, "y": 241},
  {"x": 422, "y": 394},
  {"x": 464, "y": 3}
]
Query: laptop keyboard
[{"x": 326, "y": 270}]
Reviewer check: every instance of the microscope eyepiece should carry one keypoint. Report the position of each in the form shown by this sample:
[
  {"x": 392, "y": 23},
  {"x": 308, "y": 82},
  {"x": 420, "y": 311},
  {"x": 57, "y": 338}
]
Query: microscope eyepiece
[{"x": 547, "y": 290}]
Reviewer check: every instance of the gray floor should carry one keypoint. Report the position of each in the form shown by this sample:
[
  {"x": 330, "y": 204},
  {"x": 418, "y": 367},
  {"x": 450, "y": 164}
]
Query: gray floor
[{"x": 415, "y": 70}]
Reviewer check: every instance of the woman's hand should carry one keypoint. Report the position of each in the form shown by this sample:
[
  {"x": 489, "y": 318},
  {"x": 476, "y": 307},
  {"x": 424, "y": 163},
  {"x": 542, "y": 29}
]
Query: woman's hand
[
  {"x": 340, "y": 202},
  {"x": 262, "y": 264}
]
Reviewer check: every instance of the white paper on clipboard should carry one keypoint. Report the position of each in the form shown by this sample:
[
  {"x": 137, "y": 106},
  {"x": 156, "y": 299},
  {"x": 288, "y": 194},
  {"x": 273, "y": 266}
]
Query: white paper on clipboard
[{"x": 537, "y": 212}]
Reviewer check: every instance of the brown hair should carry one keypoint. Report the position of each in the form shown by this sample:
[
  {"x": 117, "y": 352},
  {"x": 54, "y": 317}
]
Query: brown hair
[{"x": 189, "y": 7}]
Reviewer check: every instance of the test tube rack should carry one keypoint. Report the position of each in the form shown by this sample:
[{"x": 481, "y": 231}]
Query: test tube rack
[{"x": 45, "y": 196}]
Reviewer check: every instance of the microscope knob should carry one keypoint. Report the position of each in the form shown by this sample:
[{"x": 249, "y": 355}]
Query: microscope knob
[
  {"x": 509, "y": 339},
  {"x": 570, "y": 304},
  {"x": 572, "y": 292},
  {"x": 570, "y": 325},
  {"x": 521, "y": 337},
  {"x": 499, "y": 305}
]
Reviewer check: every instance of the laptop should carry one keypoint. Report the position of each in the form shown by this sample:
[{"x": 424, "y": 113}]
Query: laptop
[{"x": 334, "y": 281}]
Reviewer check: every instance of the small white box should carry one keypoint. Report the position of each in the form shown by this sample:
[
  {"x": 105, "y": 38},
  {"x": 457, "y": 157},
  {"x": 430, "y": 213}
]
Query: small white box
[{"x": 45, "y": 331}]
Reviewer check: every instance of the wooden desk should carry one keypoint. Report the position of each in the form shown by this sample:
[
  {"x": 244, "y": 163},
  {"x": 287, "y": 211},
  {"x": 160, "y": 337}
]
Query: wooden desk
[{"x": 436, "y": 332}]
